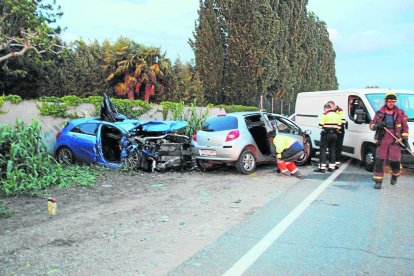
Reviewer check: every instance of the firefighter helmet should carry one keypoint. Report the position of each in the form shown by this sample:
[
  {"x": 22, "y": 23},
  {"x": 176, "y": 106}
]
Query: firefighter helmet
[{"x": 390, "y": 96}]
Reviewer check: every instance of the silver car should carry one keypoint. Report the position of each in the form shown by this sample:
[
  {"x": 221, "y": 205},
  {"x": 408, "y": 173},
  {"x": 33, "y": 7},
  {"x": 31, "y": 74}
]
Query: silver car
[{"x": 244, "y": 139}]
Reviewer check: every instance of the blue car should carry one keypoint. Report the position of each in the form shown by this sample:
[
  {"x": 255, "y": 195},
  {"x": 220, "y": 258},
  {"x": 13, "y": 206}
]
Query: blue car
[{"x": 116, "y": 141}]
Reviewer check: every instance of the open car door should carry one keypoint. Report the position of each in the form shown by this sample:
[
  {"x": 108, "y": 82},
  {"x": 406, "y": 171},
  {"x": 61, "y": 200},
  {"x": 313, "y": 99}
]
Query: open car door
[{"x": 108, "y": 111}]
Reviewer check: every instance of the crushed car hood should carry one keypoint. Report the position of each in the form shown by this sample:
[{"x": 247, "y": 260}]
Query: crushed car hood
[{"x": 162, "y": 126}]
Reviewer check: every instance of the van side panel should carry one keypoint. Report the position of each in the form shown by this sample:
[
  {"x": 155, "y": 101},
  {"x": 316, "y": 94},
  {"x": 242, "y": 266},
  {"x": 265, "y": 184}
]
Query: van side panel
[{"x": 309, "y": 107}]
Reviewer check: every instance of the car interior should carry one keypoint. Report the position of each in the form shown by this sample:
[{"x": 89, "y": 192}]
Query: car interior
[
  {"x": 111, "y": 143},
  {"x": 257, "y": 128}
]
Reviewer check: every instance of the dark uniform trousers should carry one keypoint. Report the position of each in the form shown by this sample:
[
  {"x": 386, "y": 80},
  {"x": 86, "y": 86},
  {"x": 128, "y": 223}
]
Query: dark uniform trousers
[
  {"x": 339, "y": 144},
  {"x": 328, "y": 141}
]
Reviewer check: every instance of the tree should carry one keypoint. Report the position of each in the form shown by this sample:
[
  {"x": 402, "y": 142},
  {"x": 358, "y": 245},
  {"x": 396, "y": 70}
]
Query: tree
[
  {"x": 250, "y": 48},
  {"x": 252, "y": 28},
  {"x": 186, "y": 84},
  {"x": 134, "y": 69},
  {"x": 78, "y": 71},
  {"x": 25, "y": 33},
  {"x": 209, "y": 46},
  {"x": 24, "y": 26}
]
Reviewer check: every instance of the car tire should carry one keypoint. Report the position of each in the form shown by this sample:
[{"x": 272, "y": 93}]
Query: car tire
[
  {"x": 137, "y": 160},
  {"x": 246, "y": 163},
  {"x": 204, "y": 165},
  {"x": 369, "y": 158},
  {"x": 64, "y": 155},
  {"x": 308, "y": 153},
  {"x": 132, "y": 161}
]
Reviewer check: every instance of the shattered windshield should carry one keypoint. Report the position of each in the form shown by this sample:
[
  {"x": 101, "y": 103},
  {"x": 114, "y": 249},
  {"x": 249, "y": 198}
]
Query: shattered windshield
[{"x": 405, "y": 102}]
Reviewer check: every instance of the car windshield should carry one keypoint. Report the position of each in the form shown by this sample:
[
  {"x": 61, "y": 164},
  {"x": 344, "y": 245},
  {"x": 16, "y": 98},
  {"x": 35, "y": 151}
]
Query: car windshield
[
  {"x": 220, "y": 123},
  {"x": 405, "y": 102}
]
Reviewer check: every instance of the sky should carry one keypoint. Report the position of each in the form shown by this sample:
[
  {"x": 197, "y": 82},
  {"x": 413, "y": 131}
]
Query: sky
[{"x": 373, "y": 39}]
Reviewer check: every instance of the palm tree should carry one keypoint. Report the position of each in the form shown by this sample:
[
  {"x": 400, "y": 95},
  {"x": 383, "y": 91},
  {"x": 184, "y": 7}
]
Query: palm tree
[{"x": 137, "y": 66}]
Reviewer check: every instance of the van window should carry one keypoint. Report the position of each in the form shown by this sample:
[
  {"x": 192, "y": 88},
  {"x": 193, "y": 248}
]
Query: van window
[
  {"x": 355, "y": 103},
  {"x": 220, "y": 123}
]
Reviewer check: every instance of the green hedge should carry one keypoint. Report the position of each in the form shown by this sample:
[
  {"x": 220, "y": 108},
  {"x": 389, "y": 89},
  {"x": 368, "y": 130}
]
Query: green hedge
[
  {"x": 234, "y": 108},
  {"x": 13, "y": 98},
  {"x": 58, "y": 107}
]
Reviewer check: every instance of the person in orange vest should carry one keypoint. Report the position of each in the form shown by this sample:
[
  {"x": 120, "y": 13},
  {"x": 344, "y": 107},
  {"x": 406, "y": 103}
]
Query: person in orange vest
[
  {"x": 288, "y": 150},
  {"x": 393, "y": 119}
]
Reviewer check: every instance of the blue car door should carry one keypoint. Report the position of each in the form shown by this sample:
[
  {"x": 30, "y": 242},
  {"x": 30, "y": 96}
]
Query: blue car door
[
  {"x": 84, "y": 141},
  {"x": 109, "y": 145}
]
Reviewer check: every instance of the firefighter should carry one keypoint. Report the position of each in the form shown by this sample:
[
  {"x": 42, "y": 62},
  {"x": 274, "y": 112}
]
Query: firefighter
[
  {"x": 388, "y": 148},
  {"x": 340, "y": 137},
  {"x": 288, "y": 150},
  {"x": 330, "y": 123}
]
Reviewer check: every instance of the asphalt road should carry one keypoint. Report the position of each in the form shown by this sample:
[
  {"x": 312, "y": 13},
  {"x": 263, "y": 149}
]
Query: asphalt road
[{"x": 326, "y": 224}]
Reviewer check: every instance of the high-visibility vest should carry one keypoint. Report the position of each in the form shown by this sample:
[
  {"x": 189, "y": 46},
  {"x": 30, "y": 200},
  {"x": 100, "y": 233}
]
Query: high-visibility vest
[
  {"x": 341, "y": 114},
  {"x": 281, "y": 143},
  {"x": 330, "y": 119}
]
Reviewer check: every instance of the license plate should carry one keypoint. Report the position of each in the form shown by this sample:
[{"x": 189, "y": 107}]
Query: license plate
[{"x": 208, "y": 152}]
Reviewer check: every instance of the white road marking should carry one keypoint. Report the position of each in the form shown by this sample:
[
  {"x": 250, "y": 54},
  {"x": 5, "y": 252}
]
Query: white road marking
[{"x": 256, "y": 251}]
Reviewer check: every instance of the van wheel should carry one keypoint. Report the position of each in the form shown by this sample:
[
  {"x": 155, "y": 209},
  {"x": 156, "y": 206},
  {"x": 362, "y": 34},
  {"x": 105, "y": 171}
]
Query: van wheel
[
  {"x": 369, "y": 158},
  {"x": 306, "y": 157},
  {"x": 246, "y": 163},
  {"x": 204, "y": 165}
]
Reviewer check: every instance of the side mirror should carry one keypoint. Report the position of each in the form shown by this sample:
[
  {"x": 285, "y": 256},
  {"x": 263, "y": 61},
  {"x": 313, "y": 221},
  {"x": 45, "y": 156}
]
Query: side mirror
[
  {"x": 360, "y": 116},
  {"x": 307, "y": 132}
]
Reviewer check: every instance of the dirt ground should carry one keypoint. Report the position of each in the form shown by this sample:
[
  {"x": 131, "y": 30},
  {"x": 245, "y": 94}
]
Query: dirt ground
[{"x": 139, "y": 224}]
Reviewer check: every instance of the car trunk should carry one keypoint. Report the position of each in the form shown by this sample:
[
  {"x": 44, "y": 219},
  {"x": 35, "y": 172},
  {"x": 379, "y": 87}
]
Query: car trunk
[{"x": 212, "y": 139}]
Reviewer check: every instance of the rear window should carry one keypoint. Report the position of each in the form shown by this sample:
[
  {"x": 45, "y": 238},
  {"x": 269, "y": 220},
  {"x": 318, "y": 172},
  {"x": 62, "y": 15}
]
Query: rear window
[{"x": 220, "y": 123}]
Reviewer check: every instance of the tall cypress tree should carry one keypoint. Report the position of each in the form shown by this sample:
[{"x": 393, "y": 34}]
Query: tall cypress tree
[
  {"x": 209, "y": 50},
  {"x": 268, "y": 47},
  {"x": 251, "y": 29}
]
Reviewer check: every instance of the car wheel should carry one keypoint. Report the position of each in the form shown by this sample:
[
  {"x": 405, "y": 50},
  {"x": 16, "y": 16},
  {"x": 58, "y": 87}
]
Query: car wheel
[
  {"x": 204, "y": 165},
  {"x": 369, "y": 158},
  {"x": 306, "y": 157},
  {"x": 137, "y": 160},
  {"x": 65, "y": 156},
  {"x": 132, "y": 161},
  {"x": 246, "y": 163}
]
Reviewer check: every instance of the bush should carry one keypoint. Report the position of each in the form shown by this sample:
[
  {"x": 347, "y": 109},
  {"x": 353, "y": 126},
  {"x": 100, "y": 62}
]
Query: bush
[
  {"x": 13, "y": 98},
  {"x": 194, "y": 118},
  {"x": 26, "y": 167},
  {"x": 237, "y": 108},
  {"x": 4, "y": 211}
]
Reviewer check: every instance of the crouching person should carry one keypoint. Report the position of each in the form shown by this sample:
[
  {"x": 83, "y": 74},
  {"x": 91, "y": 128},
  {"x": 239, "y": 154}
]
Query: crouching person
[{"x": 288, "y": 150}]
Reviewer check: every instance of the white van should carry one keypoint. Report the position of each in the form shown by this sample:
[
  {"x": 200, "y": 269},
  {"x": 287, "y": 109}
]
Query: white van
[{"x": 359, "y": 106}]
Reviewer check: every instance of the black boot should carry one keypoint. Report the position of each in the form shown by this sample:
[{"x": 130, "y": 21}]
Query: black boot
[
  {"x": 377, "y": 185},
  {"x": 393, "y": 180},
  {"x": 319, "y": 170}
]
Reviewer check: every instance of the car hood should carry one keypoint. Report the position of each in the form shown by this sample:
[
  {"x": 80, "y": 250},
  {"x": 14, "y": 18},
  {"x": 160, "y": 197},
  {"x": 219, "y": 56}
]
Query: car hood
[{"x": 162, "y": 126}]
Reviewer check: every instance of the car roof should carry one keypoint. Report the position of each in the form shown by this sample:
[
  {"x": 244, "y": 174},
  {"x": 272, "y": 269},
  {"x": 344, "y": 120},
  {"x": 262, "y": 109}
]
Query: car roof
[
  {"x": 247, "y": 113},
  {"x": 127, "y": 124}
]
